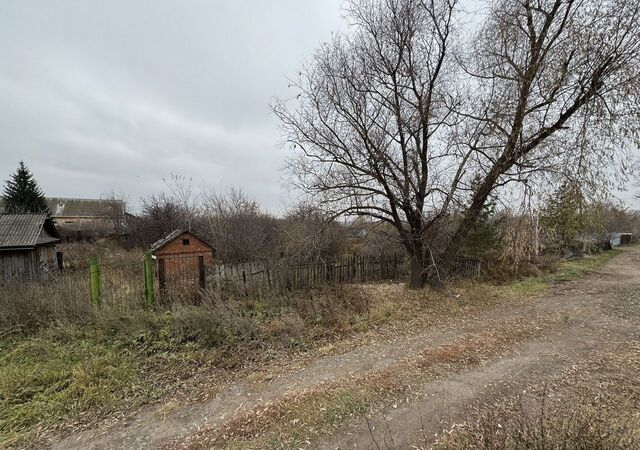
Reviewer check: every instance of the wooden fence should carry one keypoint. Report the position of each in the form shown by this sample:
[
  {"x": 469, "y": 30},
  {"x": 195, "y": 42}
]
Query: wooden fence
[
  {"x": 465, "y": 266},
  {"x": 31, "y": 265},
  {"x": 291, "y": 275},
  {"x": 119, "y": 283}
]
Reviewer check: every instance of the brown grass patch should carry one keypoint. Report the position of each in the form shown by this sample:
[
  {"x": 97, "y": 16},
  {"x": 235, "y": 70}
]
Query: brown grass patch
[
  {"x": 593, "y": 405},
  {"x": 474, "y": 349},
  {"x": 297, "y": 417}
]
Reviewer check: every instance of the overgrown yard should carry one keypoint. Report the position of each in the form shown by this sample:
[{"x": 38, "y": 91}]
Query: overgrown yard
[{"x": 69, "y": 365}]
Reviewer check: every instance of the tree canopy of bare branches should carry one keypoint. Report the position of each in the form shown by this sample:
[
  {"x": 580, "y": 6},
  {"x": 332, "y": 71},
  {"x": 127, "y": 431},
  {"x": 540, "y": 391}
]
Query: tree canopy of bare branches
[
  {"x": 237, "y": 225},
  {"x": 403, "y": 120}
]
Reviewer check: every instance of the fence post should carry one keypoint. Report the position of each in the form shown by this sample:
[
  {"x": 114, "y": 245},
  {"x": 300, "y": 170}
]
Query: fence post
[
  {"x": 201, "y": 272},
  {"x": 149, "y": 294},
  {"x": 353, "y": 268},
  {"x": 94, "y": 277}
]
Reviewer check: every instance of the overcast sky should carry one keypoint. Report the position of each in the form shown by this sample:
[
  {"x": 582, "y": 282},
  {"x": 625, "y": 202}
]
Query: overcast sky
[{"x": 115, "y": 95}]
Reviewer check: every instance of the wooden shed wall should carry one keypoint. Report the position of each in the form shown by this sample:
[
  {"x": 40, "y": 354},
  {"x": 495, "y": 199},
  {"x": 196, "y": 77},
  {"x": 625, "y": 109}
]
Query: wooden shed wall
[
  {"x": 26, "y": 264},
  {"x": 17, "y": 264}
]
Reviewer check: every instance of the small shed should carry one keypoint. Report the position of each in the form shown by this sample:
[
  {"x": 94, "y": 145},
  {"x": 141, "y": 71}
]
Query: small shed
[
  {"x": 618, "y": 239},
  {"x": 27, "y": 246},
  {"x": 182, "y": 254}
]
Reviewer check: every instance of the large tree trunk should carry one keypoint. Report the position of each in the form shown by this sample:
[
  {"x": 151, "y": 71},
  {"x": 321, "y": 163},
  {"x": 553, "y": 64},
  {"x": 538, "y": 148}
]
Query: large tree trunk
[
  {"x": 418, "y": 267},
  {"x": 417, "y": 276},
  {"x": 422, "y": 274}
]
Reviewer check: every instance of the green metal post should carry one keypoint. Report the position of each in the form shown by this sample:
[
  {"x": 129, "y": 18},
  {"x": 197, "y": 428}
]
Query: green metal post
[
  {"x": 149, "y": 294},
  {"x": 96, "y": 288}
]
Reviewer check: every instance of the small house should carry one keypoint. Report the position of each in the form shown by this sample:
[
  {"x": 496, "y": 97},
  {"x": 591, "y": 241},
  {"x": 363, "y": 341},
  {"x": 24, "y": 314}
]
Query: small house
[
  {"x": 88, "y": 218},
  {"x": 182, "y": 254},
  {"x": 27, "y": 246}
]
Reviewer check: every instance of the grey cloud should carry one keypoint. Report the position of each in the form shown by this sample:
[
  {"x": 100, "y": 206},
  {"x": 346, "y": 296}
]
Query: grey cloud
[{"x": 117, "y": 95}]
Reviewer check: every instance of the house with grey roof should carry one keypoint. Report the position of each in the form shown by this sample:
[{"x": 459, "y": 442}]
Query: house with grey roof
[
  {"x": 83, "y": 218},
  {"x": 86, "y": 218},
  {"x": 27, "y": 246}
]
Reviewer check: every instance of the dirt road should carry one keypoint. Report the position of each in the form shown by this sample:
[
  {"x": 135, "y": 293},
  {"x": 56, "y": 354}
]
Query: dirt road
[{"x": 574, "y": 321}]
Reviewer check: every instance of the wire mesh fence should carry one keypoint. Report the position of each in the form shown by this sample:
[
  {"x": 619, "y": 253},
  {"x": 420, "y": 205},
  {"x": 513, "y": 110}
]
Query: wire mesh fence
[{"x": 120, "y": 282}]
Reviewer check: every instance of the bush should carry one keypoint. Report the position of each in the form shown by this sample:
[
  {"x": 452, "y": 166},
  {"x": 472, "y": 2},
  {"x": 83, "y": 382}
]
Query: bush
[
  {"x": 548, "y": 263},
  {"x": 213, "y": 323},
  {"x": 500, "y": 268},
  {"x": 329, "y": 307}
]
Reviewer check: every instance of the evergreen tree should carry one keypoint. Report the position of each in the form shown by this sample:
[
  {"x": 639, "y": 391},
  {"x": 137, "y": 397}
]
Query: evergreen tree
[
  {"x": 22, "y": 193},
  {"x": 484, "y": 236},
  {"x": 565, "y": 213}
]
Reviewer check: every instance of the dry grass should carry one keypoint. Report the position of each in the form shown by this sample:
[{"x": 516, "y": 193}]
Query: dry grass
[
  {"x": 64, "y": 362},
  {"x": 69, "y": 363},
  {"x": 295, "y": 419},
  {"x": 594, "y": 405}
]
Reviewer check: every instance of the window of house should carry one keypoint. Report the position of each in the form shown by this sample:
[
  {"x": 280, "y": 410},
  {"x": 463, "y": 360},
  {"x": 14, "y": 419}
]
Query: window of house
[{"x": 185, "y": 242}]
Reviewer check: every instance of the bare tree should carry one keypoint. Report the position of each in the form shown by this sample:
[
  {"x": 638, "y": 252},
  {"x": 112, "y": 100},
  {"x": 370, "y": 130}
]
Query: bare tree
[
  {"x": 557, "y": 93},
  {"x": 114, "y": 207},
  {"x": 551, "y": 87},
  {"x": 165, "y": 212},
  {"x": 237, "y": 226},
  {"x": 372, "y": 117},
  {"x": 181, "y": 194},
  {"x": 307, "y": 234},
  {"x": 161, "y": 214}
]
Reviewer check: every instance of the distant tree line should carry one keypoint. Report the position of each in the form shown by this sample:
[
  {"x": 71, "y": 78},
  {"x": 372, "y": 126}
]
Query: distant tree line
[
  {"x": 237, "y": 226},
  {"x": 508, "y": 239}
]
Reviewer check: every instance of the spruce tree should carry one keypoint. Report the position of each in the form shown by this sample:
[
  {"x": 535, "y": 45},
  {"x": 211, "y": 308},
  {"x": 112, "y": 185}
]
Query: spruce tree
[
  {"x": 564, "y": 213},
  {"x": 22, "y": 193},
  {"x": 484, "y": 236}
]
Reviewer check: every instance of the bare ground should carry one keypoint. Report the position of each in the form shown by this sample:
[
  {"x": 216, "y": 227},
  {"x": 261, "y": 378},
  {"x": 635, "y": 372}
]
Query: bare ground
[{"x": 575, "y": 322}]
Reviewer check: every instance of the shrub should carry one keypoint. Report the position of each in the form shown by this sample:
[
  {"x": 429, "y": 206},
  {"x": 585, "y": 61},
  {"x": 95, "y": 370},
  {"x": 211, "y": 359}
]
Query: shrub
[
  {"x": 548, "y": 263},
  {"x": 213, "y": 323},
  {"x": 500, "y": 268}
]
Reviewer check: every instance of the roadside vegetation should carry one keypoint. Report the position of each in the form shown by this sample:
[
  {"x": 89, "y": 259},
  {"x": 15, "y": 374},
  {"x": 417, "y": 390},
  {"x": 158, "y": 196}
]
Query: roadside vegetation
[
  {"x": 65, "y": 363},
  {"x": 593, "y": 406},
  {"x": 417, "y": 129},
  {"x": 302, "y": 417}
]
